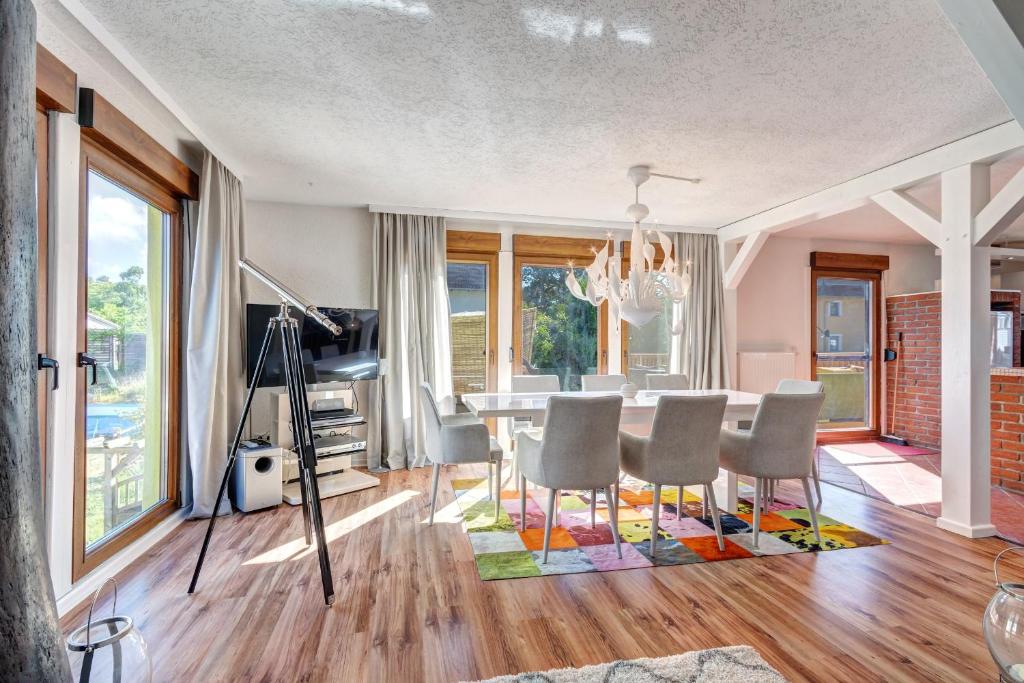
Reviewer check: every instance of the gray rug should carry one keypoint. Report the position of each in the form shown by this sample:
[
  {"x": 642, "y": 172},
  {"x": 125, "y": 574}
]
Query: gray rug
[{"x": 740, "y": 663}]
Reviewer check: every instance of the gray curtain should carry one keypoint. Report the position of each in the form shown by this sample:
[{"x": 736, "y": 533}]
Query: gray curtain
[
  {"x": 215, "y": 352},
  {"x": 410, "y": 290},
  {"x": 700, "y": 352}
]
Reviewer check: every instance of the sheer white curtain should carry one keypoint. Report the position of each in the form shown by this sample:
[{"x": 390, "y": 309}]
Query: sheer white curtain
[
  {"x": 410, "y": 290},
  {"x": 700, "y": 352},
  {"x": 215, "y": 355}
]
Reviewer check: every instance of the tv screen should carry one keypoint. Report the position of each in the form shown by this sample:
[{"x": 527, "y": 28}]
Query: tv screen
[{"x": 325, "y": 358}]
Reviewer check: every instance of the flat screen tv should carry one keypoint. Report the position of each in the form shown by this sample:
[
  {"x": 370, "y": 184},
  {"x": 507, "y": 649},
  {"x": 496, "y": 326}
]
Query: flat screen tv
[{"x": 325, "y": 357}]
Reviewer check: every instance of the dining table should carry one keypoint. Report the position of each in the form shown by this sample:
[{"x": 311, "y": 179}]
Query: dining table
[{"x": 637, "y": 416}]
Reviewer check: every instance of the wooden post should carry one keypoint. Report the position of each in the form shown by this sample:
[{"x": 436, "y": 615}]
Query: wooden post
[
  {"x": 31, "y": 647},
  {"x": 966, "y": 372}
]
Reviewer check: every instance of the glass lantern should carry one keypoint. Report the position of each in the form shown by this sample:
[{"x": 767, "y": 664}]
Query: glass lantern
[
  {"x": 1003, "y": 625},
  {"x": 109, "y": 649}
]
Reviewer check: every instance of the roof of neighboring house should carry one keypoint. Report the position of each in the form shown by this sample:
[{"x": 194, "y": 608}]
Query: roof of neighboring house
[
  {"x": 466, "y": 276},
  {"x": 96, "y": 323}
]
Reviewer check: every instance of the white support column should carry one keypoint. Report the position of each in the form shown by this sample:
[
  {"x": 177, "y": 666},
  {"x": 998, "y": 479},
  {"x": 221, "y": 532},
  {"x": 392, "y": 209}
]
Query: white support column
[
  {"x": 727, "y": 251},
  {"x": 506, "y": 285},
  {"x": 966, "y": 375}
]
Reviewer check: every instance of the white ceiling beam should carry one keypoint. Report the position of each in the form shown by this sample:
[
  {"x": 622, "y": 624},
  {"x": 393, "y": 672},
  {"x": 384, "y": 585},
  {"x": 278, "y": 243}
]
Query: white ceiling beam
[
  {"x": 993, "y": 30},
  {"x": 744, "y": 258},
  {"x": 1000, "y": 212},
  {"x": 527, "y": 219},
  {"x": 1006, "y": 252},
  {"x": 986, "y": 146},
  {"x": 911, "y": 212}
]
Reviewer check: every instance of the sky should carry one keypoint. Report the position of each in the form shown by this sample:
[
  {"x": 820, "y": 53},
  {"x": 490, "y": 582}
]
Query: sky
[{"x": 117, "y": 229}]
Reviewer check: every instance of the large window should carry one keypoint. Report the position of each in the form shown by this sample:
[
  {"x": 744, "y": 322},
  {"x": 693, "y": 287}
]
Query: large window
[
  {"x": 126, "y": 471},
  {"x": 553, "y": 332}
]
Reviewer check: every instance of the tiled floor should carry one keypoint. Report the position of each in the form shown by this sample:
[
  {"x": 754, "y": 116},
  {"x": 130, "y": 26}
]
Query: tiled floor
[{"x": 913, "y": 482}]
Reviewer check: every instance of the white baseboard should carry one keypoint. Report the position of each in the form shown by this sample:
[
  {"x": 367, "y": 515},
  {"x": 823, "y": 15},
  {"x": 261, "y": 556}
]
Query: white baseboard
[
  {"x": 976, "y": 531},
  {"x": 84, "y": 588}
]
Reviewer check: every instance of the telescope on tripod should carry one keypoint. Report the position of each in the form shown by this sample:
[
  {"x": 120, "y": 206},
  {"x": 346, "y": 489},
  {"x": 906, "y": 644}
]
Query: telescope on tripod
[{"x": 287, "y": 329}]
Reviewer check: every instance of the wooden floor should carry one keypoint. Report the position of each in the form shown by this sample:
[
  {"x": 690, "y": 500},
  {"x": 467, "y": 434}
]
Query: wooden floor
[{"x": 411, "y": 607}]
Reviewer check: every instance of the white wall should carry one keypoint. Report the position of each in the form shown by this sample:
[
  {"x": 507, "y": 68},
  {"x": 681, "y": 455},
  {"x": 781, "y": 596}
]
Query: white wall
[
  {"x": 324, "y": 254},
  {"x": 773, "y": 299}
]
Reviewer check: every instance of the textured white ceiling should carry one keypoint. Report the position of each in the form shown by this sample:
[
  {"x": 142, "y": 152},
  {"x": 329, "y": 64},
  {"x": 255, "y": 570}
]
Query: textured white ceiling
[{"x": 539, "y": 107}]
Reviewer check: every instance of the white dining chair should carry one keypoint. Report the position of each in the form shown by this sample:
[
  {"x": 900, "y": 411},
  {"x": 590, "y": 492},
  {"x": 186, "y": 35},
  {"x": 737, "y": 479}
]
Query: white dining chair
[
  {"x": 579, "y": 449},
  {"x": 682, "y": 450},
  {"x": 801, "y": 386},
  {"x": 779, "y": 445},
  {"x": 603, "y": 382},
  {"x": 667, "y": 382},
  {"x": 456, "y": 440},
  {"x": 527, "y": 384}
]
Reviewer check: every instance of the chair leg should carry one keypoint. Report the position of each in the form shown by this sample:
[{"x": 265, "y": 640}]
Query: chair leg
[
  {"x": 433, "y": 490},
  {"x": 765, "y": 489},
  {"x": 613, "y": 518},
  {"x": 811, "y": 511},
  {"x": 497, "y": 490},
  {"x": 593, "y": 508},
  {"x": 552, "y": 495},
  {"x": 655, "y": 512},
  {"x": 613, "y": 499},
  {"x": 522, "y": 502},
  {"x": 817, "y": 482},
  {"x": 758, "y": 498},
  {"x": 679, "y": 503},
  {"x": 709, "y": 494}
]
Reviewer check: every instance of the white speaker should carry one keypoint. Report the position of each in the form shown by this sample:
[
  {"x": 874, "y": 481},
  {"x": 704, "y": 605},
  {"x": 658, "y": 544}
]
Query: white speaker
[{"x": 256, "y": 483}]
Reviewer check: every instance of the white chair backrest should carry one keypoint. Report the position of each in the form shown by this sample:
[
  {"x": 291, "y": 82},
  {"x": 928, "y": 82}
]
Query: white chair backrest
[
  {"x": 580, "y": 447},
  {"x": 684, "y": 438},
  {"x": 535, "y": 384},
  {"x": 799, "y": 386},
  {"x": 603, "y": 382},
  {"x": 664, "y": 382},
  {"x": 784, "y": 432},
  {"x": 431, "y": 423}
]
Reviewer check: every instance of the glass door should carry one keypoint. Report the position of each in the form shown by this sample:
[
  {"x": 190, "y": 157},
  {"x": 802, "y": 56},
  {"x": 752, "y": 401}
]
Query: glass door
[
  {"x": 844, "y": 349},
  {"x": 48, "y": 371},
  {"x": 126, "y": 469},
  {"x": 554, "y": 332},
  {"x": 472, "y": 302}
]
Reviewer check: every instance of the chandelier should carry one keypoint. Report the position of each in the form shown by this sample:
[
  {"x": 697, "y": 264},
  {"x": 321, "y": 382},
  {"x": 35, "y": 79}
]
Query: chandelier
[{"x": 640, "y": 296}]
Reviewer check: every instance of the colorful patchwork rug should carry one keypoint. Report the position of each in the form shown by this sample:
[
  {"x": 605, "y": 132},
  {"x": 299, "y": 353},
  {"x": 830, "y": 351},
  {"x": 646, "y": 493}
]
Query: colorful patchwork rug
[{"x": 502, "y": 551}]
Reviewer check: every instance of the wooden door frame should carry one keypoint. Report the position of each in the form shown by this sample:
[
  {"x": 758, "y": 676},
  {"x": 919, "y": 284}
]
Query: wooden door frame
[
  {"x": 115, "y": 169},
  {"x": 859, "y": 267},
  {"x": 517, "y": 309}
]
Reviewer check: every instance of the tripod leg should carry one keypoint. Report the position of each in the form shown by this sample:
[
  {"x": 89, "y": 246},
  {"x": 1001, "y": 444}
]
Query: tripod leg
[
  {"x": 260, "y": 363},
  {"x": 295, "y": 384},
  {"x": 307, "y": 459}
]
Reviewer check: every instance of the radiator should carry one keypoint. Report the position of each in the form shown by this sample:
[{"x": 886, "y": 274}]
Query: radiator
[{"x": 761, "y": 371}]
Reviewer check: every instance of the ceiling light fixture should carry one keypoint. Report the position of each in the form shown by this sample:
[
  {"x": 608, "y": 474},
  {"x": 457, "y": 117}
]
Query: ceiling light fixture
[{"x": 639, "y": 297}]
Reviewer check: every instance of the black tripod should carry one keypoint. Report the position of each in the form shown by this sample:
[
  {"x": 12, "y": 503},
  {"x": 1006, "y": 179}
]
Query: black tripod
[{"x": 302, "y": 428}]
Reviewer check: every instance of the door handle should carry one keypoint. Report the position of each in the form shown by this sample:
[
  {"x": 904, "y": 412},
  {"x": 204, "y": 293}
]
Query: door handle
[
  {"x": 47, "y": 363},
  {"x": 85, "y": 360}
]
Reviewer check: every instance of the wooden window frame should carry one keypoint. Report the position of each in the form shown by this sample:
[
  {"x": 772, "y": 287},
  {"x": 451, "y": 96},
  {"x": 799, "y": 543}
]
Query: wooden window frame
[
  {"x": 542, "y": 250},
  {"x": 860, "y": 266},
  {"x": 481, "y": 247},
  {"x": 95, "y": 158}
]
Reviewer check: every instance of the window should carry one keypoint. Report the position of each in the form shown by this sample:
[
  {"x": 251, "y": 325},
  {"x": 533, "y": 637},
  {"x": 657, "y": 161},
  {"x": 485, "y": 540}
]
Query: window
[
  {"x": 647, "y": 350},
  {"x": 835, "y": 342},
  {"x": 127, "y": 462},
  {"x": 555, "y": 333},
  {"x": 835, "y": 309}
]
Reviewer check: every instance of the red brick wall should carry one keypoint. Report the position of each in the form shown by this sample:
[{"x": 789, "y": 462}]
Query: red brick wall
[
  {"x": 918, "y": 400},
  {"x": 1008, "y": 431}
]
